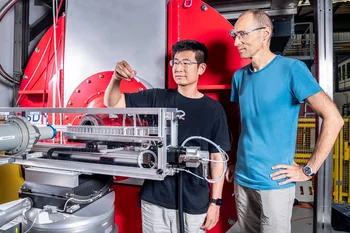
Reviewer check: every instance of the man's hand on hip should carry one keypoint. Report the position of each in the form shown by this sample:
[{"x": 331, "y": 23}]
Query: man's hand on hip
[
  {"x": 230, "y": 173},
  {"x": 293, "y": 173}
]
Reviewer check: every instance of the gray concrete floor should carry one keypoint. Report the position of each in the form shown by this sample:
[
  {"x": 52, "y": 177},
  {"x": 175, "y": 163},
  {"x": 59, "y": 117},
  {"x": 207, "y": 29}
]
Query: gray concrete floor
[{"x": 301, "y": 222}]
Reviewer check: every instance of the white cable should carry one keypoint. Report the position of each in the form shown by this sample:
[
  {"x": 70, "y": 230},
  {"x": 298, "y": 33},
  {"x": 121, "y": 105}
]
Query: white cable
[
  {"x": 200, "y": 177},
  {"x": 76, "y": 200},
  {"x": 223, "y": 154},
  {"x": 110, "y": 150},
  {"x": 36, "y": 218},
  {"x": 219, "y": 161},
  {"x": 182, "y": 115},
  {"x": 124, "y": 128},
  {"x": 140, "y": 158},
  {"x": 25, "y": 210},
  {"x": 81, "y": 201},
  {"x": 145, "y": 148},
  {"x": 138, "y": 117},
  {"x": 65, "y": 205},
  {"x": 34, "y": 221},
  {"x": 215, "y": 161}
]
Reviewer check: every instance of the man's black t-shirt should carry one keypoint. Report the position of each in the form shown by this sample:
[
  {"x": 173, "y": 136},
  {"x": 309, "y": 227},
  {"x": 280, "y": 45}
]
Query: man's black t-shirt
[{"x": 204, "y": 117}]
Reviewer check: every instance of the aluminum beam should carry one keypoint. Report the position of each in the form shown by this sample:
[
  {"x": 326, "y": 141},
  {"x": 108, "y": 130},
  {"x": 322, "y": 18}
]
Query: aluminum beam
[{"x": 324, "y": 67}]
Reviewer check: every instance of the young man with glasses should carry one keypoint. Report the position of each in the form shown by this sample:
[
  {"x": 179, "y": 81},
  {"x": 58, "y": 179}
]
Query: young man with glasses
[
  {"x": 204, "y": 117},
  {"x": 269, "y": 92}
]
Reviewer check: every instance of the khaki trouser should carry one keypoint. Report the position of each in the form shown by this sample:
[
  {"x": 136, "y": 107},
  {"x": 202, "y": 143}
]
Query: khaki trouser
[
  {"x": 264, "y": 211},
  {"x": 156, "y": 219}
]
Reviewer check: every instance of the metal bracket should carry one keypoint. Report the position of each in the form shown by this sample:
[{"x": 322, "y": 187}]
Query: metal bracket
[
  {"x": 4, "y": 161},
  {"x": 32, "y": 155}
]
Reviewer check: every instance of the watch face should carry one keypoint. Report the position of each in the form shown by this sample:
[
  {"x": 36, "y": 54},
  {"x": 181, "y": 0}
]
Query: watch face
[
  {"x": 217, "y": 201},
  {"x": 307, "y": 170}
]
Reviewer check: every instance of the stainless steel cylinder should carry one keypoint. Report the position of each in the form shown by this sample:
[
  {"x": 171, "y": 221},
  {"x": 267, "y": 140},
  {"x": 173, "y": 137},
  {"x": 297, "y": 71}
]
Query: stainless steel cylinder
[
  {"x": 46, "y": 132},
  {"x": 97, "y": 217},
  {"x": 10, "y": 137},
  {"x": 12, "y": 210},
  {"x": 18, "y": 135}
]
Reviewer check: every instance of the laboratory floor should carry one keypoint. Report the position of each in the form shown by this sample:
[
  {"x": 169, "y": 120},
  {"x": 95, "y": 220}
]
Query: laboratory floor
[{"x": 301, "y": 221}]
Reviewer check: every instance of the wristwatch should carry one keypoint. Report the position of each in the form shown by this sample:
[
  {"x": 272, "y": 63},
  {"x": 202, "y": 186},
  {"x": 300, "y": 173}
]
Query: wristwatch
[
  {"x": 308, "y": 171},
  {"x": 217, "y": 202}
]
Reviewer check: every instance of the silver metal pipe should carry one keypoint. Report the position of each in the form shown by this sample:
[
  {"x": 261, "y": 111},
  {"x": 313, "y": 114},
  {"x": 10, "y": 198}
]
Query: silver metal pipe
[
  {"x": 324, "y": 62},
  {"x": 148, "y": 111},
  {"x": 46, "y": 132},
  {"x": 18, "y": 135},
  {"x": 277, "y": 12},
  {"x": 10, "y": 137},
  {"x": 12, "y": 210},
  {"x": 121, "y": 157}
]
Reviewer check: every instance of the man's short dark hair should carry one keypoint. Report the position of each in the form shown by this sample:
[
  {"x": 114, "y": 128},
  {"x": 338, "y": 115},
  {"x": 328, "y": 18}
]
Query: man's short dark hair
[{"x": 199, "y": 48}]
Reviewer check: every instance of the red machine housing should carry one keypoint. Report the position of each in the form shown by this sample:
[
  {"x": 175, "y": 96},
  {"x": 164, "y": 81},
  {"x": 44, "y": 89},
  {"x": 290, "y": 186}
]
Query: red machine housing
[{"x": 186, "y": 20}]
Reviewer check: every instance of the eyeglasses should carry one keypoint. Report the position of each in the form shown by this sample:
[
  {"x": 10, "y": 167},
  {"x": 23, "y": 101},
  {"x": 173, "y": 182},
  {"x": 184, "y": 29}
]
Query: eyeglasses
[
  {"x": 185, "y": 64},
  {"x": 242, "y": 34}
]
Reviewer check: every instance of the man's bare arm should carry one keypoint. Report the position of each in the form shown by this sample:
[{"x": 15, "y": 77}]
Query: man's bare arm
[{"x": 113, "y": 97}]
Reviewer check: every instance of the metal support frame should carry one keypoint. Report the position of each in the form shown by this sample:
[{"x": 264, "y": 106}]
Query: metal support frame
[
  {"x": 21, "y": 41},
  {"x": 4, "y": 76},
  {"x": 324, "y": 67},
  {"x": 337, "y": 6},
  {"x": 166, "y": 117},
  {"x": 222, "y": 7},
  {"x": 4, "y": 161},
  {"x": 40, "y": 25},
  {"x": 296, "y": 41},
  {"x": 277, "y": 12},
  {"x": 337, "y": 78}
]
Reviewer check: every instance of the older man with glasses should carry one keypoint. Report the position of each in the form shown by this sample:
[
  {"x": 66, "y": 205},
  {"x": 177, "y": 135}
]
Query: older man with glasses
[
  {"x": 204, "y": 117},
  {"x": 269, "y": 92}
]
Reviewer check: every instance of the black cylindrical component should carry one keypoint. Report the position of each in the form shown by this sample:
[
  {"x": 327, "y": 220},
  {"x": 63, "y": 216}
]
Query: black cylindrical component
[
  {"x": 173, "y": 154},
  {"x": 180, "y": 204}
]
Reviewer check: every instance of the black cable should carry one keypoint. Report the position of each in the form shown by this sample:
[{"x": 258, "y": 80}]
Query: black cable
[
  {"x": 7, "y": 79},
  {"x": 180, "y": 203}
]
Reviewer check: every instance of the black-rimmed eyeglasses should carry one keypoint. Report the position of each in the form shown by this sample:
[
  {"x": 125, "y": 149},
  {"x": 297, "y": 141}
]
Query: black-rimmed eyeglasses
[
  {"x": 242, "y": 34},
  {"x": 185, "y": 63}
]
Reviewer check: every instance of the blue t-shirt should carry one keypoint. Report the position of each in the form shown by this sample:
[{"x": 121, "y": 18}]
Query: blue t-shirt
[{"x": 269, "y": 102}]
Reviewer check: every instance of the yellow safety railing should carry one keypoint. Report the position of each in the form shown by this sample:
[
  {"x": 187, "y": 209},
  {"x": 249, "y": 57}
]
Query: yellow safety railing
[
  {"x": 305, "y": 144},
  {"x": 342, "y": 172}
]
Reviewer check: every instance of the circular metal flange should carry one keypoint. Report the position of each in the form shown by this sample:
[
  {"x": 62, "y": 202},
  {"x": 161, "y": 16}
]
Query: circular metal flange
[{"x": 91, "y": 119}]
